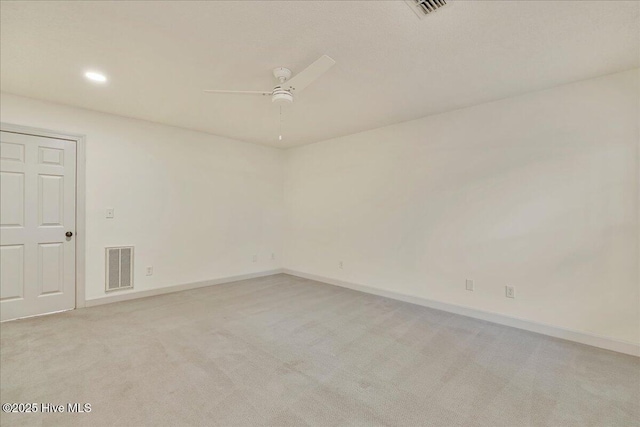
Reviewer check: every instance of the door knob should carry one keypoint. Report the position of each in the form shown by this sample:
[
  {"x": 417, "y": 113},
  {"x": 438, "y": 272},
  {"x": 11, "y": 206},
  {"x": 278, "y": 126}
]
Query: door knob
[{"x": 68, "y": 234}]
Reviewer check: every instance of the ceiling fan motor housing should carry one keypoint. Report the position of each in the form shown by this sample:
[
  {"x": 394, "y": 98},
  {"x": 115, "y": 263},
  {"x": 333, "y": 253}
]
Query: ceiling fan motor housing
[{"x": 281, "y": 96}]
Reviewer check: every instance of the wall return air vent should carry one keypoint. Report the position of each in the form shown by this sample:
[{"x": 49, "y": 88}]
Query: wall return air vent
[
  {"x": 424, "y": 7},
  {"x": 119, "y": 268}
]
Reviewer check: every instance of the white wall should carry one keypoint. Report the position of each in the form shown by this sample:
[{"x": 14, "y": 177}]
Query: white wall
[
  {"x": 195, "y": 206},
  {"x": 538, "y": 191}
]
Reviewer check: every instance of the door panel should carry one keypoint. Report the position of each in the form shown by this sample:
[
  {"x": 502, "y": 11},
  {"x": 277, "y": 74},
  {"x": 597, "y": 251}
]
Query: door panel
[
  {"x": 11, "y": 199},
  {"x": 51, "y": 268},
  {"x": 51, "y": 156},
  {"x": 37, "y": 194},
  {"x": 50, "y": 200},
  {"x": 12, "y": 273},
  {"x": 14, "y": 152}
]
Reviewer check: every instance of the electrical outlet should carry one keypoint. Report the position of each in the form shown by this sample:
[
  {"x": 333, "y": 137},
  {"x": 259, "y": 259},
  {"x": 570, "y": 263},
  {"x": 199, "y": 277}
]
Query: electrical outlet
[
  {"x": 255, "y": 258},
  {"x": 149, "y": 271},
  {"x": 110, "y": 213},
  {"x": 469, "y": 285},
  {"x": 340, "y": 265},
  {"x": 510, "y": 291},
  {"x": 273, "y": 257}
]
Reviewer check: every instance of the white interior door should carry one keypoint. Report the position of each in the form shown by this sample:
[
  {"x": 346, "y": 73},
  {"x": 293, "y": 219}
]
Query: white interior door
[{"x": 37, "y": 209}]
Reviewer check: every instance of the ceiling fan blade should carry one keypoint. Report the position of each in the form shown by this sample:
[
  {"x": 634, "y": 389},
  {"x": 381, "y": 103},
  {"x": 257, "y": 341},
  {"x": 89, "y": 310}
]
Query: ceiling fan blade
[
  {"x": 309, "y": 74},
  {"x": 238, "y": 92}
]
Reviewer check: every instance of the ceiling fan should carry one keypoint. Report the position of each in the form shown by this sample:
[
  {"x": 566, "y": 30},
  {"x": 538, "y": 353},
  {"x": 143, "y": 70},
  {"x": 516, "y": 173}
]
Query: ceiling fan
[{"x": 283, "y": 92}]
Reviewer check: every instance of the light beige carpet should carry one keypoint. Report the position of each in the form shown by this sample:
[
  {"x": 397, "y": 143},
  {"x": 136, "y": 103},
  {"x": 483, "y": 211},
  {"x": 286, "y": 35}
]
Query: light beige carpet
[{"x": 285, "y": 351}]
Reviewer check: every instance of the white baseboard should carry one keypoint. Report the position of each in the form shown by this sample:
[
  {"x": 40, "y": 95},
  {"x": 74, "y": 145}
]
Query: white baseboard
[
  {"x": 170, "y": 289},
  {"x": 528, "y": 325}
]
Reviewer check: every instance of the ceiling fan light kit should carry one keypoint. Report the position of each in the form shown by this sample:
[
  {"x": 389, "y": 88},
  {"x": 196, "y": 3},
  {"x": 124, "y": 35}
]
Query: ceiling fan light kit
[{"x": 281, "y": 96}]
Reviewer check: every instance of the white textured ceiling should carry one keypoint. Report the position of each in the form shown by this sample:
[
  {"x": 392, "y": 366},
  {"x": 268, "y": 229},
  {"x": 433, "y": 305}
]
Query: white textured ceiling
[{"x": 391, "y": 66}]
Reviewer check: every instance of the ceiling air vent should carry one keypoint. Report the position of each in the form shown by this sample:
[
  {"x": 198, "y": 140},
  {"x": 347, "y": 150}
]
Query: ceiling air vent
[{"x": 425, "y": 7}]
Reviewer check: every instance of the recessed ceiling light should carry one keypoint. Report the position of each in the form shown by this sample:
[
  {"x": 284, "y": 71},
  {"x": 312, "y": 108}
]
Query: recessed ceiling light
[{"x": 95, "y": 77}]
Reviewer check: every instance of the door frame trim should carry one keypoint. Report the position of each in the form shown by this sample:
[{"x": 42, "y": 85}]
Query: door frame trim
[{"x": 80, "y": 227}]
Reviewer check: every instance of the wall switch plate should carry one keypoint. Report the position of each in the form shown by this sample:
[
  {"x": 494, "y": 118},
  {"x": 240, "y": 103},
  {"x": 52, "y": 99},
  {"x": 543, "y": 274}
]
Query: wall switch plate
[
  {"x": 510, "y": 291},
  {"x": 255, "y": 258},
  {"x": 469, "y": 285},
  {"x": 110, "y": 213}
]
